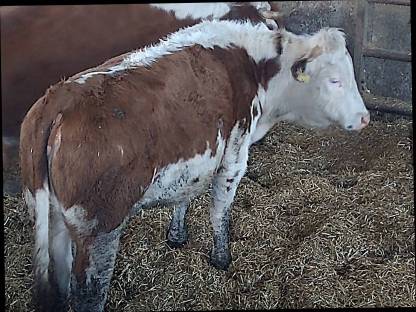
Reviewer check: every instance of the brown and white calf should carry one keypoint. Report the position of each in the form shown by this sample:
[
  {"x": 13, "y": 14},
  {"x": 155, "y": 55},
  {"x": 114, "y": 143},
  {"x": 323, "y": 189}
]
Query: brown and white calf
[
  {"x": 158, "y": 126},
  {"x": 42, "y": 44}
]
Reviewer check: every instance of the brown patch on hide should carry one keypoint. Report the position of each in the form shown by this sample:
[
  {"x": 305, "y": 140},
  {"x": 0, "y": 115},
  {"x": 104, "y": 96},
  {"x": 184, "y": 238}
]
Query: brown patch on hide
[
  {"x": 266, "y": 70},
  {"x": 242, "y": 77}
]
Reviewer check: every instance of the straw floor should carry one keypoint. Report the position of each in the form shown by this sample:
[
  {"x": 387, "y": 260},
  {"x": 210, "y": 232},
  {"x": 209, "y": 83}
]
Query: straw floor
[{"x": 321, "y": 219}]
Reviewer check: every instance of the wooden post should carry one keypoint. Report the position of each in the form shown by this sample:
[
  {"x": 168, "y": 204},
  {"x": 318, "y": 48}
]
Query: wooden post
[
  {"x": 360, "y": 40},
  {"x": 387, "y": 54}
]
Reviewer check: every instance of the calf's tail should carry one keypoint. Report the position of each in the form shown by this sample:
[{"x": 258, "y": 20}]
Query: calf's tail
[{"x": 35, "y": 131}]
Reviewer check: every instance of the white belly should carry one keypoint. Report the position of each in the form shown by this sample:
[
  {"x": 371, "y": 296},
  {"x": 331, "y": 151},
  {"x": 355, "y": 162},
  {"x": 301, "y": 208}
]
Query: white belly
[{"x": 183, "y": 180}]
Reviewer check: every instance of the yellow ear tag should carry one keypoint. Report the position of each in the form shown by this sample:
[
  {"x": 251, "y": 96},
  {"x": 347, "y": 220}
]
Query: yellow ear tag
[{"x": 304, "y": 77}]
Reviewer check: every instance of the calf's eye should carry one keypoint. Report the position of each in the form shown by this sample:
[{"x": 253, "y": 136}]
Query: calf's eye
[{"x": 335, "y": 82}]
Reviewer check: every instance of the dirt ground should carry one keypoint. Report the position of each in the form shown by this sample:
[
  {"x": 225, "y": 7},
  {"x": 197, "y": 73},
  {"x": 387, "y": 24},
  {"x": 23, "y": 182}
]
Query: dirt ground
[{"x": 321, "y": 219}]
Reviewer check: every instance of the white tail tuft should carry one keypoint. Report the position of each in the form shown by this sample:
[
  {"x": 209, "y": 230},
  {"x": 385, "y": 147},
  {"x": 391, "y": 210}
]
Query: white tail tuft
[{"x": 41, "y": 254}]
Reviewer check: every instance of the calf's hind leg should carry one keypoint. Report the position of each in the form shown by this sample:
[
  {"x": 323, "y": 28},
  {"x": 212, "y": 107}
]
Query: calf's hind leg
[
  {"x": 61, "y": 255},
  {"x": 92, "y": 271},
  {"x": 177, "y": 235}
]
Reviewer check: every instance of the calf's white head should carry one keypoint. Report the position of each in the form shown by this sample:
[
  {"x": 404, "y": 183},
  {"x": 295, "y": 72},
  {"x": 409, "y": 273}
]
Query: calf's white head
[{"x": 319, "y": 88}]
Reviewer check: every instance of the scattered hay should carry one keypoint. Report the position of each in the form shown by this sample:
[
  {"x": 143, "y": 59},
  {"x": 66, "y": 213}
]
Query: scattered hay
[
  {"x": 321, "y": 219},
  {"x": 17, "y": 254}
]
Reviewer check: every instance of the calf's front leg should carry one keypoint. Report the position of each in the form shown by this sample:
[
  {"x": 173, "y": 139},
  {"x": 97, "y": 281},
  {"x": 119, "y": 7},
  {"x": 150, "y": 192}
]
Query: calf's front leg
[
  {"x": 223, "y": 192},
  {"x": 224, "y": 186}
]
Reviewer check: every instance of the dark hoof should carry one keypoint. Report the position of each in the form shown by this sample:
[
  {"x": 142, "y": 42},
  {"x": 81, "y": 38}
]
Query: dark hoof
[
  {"x": 176, "y": 243},
  {"x": 220, "y": 263}
]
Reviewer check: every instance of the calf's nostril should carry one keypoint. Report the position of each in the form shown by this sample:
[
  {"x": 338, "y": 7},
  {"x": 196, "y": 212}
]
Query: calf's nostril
[{"x": 365, "y": 120}]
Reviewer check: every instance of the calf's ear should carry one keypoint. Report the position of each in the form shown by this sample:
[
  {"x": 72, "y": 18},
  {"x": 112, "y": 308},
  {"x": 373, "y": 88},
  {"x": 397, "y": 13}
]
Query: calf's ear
[{"x": 298, "y": 68}]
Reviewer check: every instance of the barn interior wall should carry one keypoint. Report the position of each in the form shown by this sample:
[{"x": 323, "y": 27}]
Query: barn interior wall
[{"x": 388, "y": 27}]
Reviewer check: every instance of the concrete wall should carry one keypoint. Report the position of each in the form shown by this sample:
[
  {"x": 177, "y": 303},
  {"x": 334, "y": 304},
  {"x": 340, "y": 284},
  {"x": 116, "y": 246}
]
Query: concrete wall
[{"x": 388, "y": 27}]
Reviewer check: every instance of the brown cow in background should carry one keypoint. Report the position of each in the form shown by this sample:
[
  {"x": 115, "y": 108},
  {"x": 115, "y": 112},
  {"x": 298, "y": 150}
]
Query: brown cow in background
[{"x": 41, "y": 45}]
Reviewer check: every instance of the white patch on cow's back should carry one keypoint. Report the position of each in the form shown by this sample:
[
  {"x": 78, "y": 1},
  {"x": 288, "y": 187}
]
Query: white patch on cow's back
[
  {"x": 257, "y": 40},
  {"x": 195, "y": 10},
  {"x": 181, "y": 181}
]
